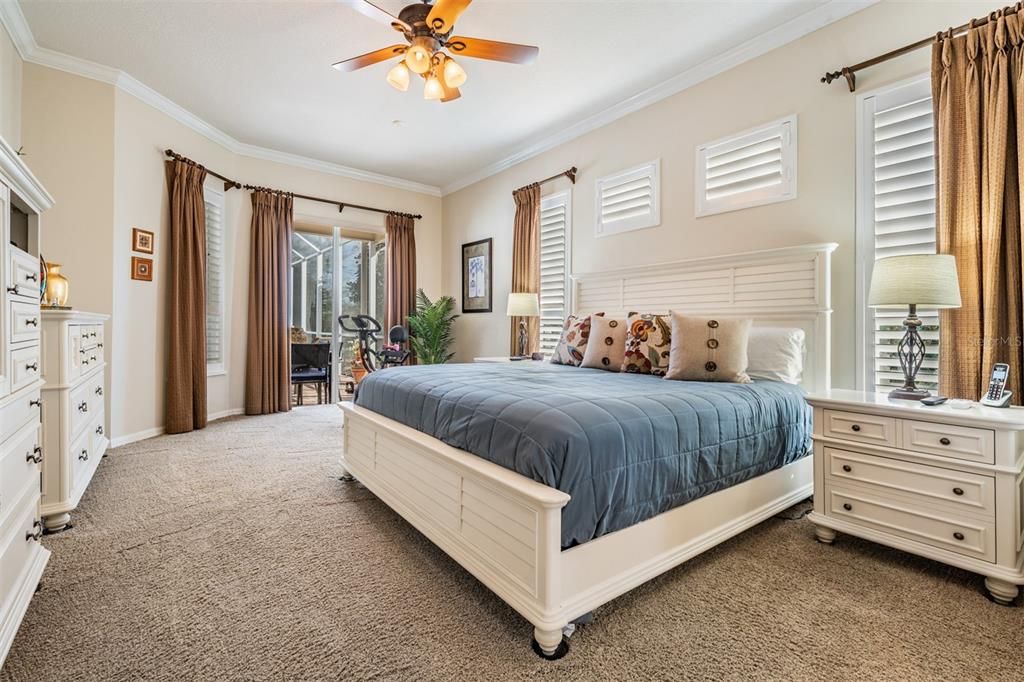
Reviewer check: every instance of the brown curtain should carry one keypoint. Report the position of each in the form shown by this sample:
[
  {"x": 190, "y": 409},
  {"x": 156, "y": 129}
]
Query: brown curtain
[
  {"x": 401, "y": 269},
  {"x": 185, "y": 407},
  {"x": 526, "y": 261},
  {"x": 267, "y": 361},
  {"x": 979, "y": 114}
]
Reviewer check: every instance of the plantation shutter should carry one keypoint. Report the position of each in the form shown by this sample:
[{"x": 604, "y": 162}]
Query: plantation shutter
[
  {"x": 214, "y": 202},
  {"x": 904, "y": 218},
  {"x": 554, "y": 262},
  {"x": 629, "y": 200}
]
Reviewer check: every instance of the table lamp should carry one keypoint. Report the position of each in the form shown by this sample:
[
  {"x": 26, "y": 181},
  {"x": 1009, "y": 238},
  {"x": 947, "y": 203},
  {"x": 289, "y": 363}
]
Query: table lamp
[
  {"x": 522, "y": 306},
  {"x": 927, "y": 280}
]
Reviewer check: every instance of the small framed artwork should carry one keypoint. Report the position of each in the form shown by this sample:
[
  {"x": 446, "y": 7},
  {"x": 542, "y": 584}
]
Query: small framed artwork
[
  {"x": 477, "y": 277},
  {"x": 142, "y": 269},
  {"x": 142, "y": 240}
]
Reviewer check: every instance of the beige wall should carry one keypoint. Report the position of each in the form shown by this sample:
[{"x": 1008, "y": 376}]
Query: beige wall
[
  {"x": 98, "y": 152},
  {"x": 10, "y": 91},
  {"x": 781, "y": 82}
]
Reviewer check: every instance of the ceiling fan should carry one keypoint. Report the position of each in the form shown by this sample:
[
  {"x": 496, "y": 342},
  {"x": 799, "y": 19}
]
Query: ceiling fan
[{"x": 428, "y": 30}]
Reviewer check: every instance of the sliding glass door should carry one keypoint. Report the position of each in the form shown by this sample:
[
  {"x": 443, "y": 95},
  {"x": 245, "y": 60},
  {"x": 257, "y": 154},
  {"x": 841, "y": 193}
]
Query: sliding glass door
[{"x": 336, "y": 274}]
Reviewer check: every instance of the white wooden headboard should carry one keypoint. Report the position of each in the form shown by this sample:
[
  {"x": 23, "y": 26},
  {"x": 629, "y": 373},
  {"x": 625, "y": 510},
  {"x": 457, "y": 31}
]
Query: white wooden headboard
[{"x": 787, "y": 287}]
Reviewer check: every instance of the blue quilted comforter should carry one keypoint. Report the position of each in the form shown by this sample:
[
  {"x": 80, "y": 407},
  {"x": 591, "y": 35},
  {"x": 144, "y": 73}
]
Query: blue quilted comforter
[{"x": 626, "y": 447}]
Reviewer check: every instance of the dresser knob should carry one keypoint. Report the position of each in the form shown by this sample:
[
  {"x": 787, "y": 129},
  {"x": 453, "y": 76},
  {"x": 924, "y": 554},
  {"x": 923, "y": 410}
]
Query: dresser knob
[
  {"x": 847, "y": 468},
  {"x": 12, "y": 290},
  {"x": 38, "y": 402},
  {"x": 99, "y": 390},
  {"x": 92, "y": 358},
  {"x": 99, "y": 430},
  {"x": 958, "y": 491},
  {"x": 38, "y": 532},
  {"x": 958, "y": 535},
  {"x": 83, "y": 406},
  {"x": 855, "y": 427},
  {"x": 31, "y": 278},
  {"x": 34, "y": 367},
  {"x": 36, "y": 456},
  {"x": 847, "y": 506},
  {"x": 84, "y": 456},
  {"x": 33, "y": 321},
  {"x": 945, "y": 441},
  {"x": 99, "y": 345}
]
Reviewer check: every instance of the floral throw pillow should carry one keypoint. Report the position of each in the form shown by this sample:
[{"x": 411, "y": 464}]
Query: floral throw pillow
[
  {"x": 573, "y": 342},
  {"x": 648, "y": 343}
]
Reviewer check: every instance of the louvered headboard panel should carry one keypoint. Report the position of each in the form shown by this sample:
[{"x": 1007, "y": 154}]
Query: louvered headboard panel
[{"x": 788, "y": 287}]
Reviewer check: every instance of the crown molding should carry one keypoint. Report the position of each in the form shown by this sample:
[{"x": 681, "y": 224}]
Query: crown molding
[
  {"x": 17, "y": 27},
  {"x": 22, "y": 179},
  {"x": 808, "y": 22}
]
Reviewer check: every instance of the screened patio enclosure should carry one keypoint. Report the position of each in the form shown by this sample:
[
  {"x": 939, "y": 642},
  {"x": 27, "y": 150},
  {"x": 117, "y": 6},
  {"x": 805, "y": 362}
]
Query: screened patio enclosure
[{"x": 321, "y": 290}]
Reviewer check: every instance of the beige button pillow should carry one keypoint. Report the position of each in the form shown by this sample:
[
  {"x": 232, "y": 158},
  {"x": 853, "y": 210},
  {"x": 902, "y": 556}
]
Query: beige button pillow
[
  {"x": 607, "y": 344},
  {"x": 708, "y": 349}
]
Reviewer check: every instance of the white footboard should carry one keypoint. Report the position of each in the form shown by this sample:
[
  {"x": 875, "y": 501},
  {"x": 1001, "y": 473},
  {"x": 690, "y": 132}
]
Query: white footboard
[{"x": 502, "y": 527}]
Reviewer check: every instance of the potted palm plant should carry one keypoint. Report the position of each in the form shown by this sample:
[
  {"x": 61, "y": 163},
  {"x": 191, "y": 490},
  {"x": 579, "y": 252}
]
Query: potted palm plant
[{"x": 431, "y": 329}]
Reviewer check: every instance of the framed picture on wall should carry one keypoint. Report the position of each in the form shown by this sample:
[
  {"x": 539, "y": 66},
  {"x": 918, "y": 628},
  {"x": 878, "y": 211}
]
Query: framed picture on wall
[
  {"x": 142, "y": 240},
  {"x": 477, "y": 277},
  {"x": 142, "y": 269}
]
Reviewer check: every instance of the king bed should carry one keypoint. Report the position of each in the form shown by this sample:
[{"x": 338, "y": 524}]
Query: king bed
[{"x": 560, "y": 487}]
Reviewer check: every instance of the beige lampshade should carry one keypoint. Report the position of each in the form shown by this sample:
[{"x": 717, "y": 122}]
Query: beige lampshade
[
  {"x": 523, "y": 305},
  {"x": 928, "y": 280}
]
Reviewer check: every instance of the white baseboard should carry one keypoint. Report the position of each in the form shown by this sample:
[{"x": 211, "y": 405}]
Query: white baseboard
[{"x": 159, "y": 430}]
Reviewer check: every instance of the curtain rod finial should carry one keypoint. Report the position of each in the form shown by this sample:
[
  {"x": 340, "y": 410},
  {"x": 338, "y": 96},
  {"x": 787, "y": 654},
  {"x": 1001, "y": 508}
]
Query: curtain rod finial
[{"x": 571, "y": 174}]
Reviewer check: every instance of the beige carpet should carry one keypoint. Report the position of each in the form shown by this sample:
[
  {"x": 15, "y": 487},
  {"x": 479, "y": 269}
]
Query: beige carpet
[{"x": 236, "y": 554}]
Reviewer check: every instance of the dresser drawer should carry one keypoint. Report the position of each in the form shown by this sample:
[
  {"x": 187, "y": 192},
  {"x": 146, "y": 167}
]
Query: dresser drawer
[
  {"x": 81, "y": 458},
  {"x": 25, "y": 321},
  {"x": 97, "y": 436},
  {"x": 80, "y": 407},
  {"x": 24, "y": 275},
  {"x": 94, "y": 394},
  {"x": 18, "y": 544},
  {"x": 24, "y": 367},
  {"x": 956, "y": 442},
  {"x": 970, "y": 492},
  {"x": 18, "y": 467},
  {"x": 23, "y": 408},
  {"x": 866, "y": 428},
  {"x": 963, "y": 535}
]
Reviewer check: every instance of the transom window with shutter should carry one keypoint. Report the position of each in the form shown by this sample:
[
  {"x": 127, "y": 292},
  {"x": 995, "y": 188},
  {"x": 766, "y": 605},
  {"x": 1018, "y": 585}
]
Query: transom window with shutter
[
  {"x": 214, "y": 202},
  {"x": 896, "y": 217},
  {"x": 747, "y": 169},
  {"x": 629, "y": 200},
  {"x": 554, "y": 268}
]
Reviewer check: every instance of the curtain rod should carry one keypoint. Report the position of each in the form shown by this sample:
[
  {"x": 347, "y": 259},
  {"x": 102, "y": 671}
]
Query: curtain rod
[
  {"x": 228, "y": 182},
  {"x": 342, "y": 205},
  {"x": 571, "y": 174},
  {"x": 849, "y": 72}
]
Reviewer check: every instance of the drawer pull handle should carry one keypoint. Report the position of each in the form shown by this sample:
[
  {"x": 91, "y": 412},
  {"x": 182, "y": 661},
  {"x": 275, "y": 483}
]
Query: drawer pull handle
[
  {"x": 945, "y": 441},
  {"x": 36, "y": 456},
  {"x": 92, "y": 358},
  {"x": 31, "y": 536},
  {"x": 99, "y": 345},
  {"x": 958, "y": 491},
  {"x": 84, "y": 456},
  {"x": 847, "y": 468},
  {"x": 847, "y": 506},
  {"x": 83, "y": 406},
  {"x": 34, "y": 367},
  {"x": 855, "y": 427},
  {"x": 12, "y": 290},
  {"x": 33, "y": 321},
  {"x": 958, "y": 535},
  {"x": 38, "y": 402},
  {"x": 99, "y": 430},
  {"x": 32, "y": 278},
  {"x": 99, "y": 390}
]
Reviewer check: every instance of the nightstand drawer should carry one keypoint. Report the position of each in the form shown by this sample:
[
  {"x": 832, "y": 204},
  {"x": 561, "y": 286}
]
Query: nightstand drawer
[
  {"x": 866, "y": 428},
  {"x": 962, "y": 535},
  {"x": 957, "y": 442},
  {"x": 970, "y": 492}
]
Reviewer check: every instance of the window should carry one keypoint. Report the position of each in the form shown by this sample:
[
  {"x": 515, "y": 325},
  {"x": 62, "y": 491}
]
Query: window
[
  {"x": 749, "y": 169},
  {"x": 214, "y": 203},
  {"x": 554, "y": 268},
  {"x": 629, "y": 200},
  {"x": 895, "y": 217}
]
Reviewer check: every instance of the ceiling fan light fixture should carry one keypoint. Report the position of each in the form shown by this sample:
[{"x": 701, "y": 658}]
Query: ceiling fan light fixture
[
  {"x": 398, "y": 77},
  {"x": 433, "y": 88},
  {"x": 454, "y": 74},
  {"x": 418, "y": 56}
]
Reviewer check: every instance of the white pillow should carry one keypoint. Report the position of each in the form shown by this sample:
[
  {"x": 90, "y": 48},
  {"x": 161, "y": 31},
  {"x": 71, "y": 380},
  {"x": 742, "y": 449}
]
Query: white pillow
[{"x": 776, "y": 354}]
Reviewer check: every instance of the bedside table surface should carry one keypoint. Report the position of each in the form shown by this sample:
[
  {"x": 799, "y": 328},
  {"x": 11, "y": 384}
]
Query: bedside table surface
[
  {"x": 503, "y": 358},
  {"x": 1007, "y": 417}
]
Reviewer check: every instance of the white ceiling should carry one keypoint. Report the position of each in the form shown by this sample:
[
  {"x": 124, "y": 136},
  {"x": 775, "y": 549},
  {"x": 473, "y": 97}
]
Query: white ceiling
[{"x": 260, "y": 71}]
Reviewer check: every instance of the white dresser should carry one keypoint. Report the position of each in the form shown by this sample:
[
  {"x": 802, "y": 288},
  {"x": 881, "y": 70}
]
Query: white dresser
[
  {"x": 939, "y": 482},
  {"x": 22, "y": 557},
  {"x": 74, "y": 412}
]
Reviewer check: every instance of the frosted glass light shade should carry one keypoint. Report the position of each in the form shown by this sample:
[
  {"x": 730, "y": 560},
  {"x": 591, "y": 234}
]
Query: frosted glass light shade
[
  {"x": 398, "y": 77},
  {"x": 417, "y": 57},
  {"x": 523, "y": 305},
  {"x": 433, "y": 89},
  {"x": 454, "y": 74},
  {"x": 929, "y": 281}
]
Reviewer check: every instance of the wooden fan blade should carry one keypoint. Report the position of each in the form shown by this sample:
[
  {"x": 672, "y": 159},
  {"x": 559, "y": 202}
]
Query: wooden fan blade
[
  {"x": 370, "y": 58},
  {"x": 367, "y": 8},
  {"x": 445, "y": 13},
  {"x": 492, "y": 49},
  {"x": 449, "y": 93}
]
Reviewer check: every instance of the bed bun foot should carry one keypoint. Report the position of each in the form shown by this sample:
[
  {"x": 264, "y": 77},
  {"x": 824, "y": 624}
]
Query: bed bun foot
[
  {"x": 550, "y": 644},
  {"x": 1001, "y": 592},
  {"x": 825, "y": 535}
]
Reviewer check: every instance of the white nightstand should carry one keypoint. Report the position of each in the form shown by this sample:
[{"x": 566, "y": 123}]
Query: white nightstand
[
  {"x": 503, "y": 359},
  {"x": 942, "y": 483}
]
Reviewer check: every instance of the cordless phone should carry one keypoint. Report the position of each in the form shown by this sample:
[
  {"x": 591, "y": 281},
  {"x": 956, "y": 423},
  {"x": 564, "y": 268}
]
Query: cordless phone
[{"x": 997, "y": 395}]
